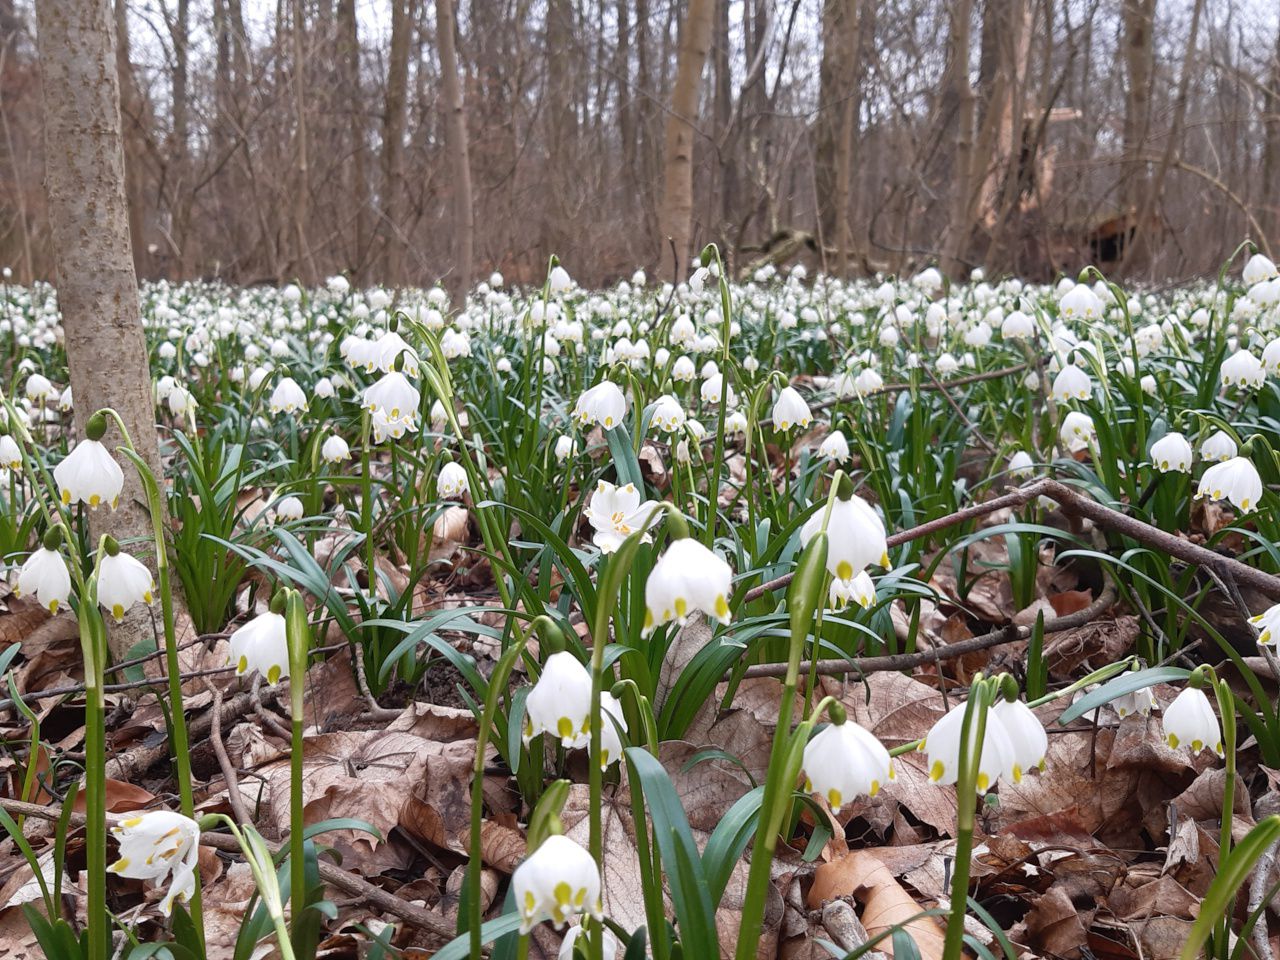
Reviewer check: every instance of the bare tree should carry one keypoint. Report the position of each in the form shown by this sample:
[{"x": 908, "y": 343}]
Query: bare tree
[
  {"x": 356, "y": 179},
  {"x": 677, "y": 191},
  {"x": 393, "y": 129},
  {"x": 97, "y": 288},
  {"x": 456, "y": 135}
]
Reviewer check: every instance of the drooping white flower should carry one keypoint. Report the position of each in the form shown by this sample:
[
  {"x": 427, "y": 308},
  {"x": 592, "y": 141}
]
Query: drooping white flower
[
  {"x": 389, "y": 351},
  {"x": 123, "y": 580},
  {"x": 686, "y": 578},
  {"x": 843, "y": 761},
  {"x": 1148, "y": 385},
  {"x": 855, "y": 537},
  {"x": 560, "y": 702},
  {"x": 556, "y": 881},
  {"x": 65, "y": 400},
  {"x": 1026, "y": 735},
  {"x": 860, "y": 589},
  {"x": 668, "y": 414},
  {"x": 452, "y": 481},
  {"x": 10, "y": 453},
  {"x": 942, "y": 746},
  {"x": 324, "y": 389},
  {"x": 1190, "y": 721},
  {"x": 454, "y": 344},
  {"x": 834, "y": 447},
  {"x": 617, "y": 512},
  {"x": 335, "y": 449},
  {"x": 89, "y": 475},
  {"x": 610, "y": 945},
  {"x": 1258, "y": 269},
  {"x": 1080, "y": 303},
  {"x": 790, "y": 410},
  {"x": 261, "y": 645},
  {"x": 611, "y": 720},
  {"x": 1219, "y": 447},
  {"x": 157, "y": 845},
  {"x": 287, "y": 397},
  {"x": 289, "y": 508},
  {"x": 40, "y": 390},
  {"x": 1140, "y": 701},
  {"x": 1021, "y": 465},
  {"x": 605, "y": 404},
  {"x": 1243, "y": 369},
  {"x": 867, "y": 382},
  {"x": 1236, "y": 480},
  {"x": 566, "y": 446},
  {"x": 1017, "y": 326},
  {"x": 394, "y": 396},
  {"x": 44, "y": 576},
  {"x": 735, "y": 422},
  {"x": 1172, "y": 452},
  {"x": 1072, "y": 383},
  {"x": 560, "y": 281},
  {"x": 385, "y": 426},
  {"x": 1268, "y": 625},
  {"x": 713, "y": 389},
  {"x": 683, "y": 370},
  {"x": 1077, "y": 431}
]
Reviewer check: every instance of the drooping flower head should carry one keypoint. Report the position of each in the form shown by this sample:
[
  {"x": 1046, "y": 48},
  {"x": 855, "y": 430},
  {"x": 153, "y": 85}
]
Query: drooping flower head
[
  {"x": 687, "y": 578},
  {"x": 159, "y": 845},
  {"x": 261, "y": 645},
  {"x": 556, "y": 882},
  {"x": 843, "y": 761}
]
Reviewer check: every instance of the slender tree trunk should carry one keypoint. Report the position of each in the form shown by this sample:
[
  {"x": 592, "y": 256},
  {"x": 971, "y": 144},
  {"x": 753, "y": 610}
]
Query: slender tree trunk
[
  {"x": 459, "y": 154},
  {"x": 677, "y": 194},
  {"x": 394, "y": 116},
  {"x": 958, "y": 101},
  {"x": 838, "y": 76},
  {"x": 1139, "y": 58},
  {"x": 301, "y": 190},
  {"x": 131, "y": 113},
  {"x": 180, "y": 197},
  {"x": 626, "y": 97},
  {"x": 89, "y": 218},
  {"x": 357, "y": 177},
  {"x": 1271, "y": 150}
]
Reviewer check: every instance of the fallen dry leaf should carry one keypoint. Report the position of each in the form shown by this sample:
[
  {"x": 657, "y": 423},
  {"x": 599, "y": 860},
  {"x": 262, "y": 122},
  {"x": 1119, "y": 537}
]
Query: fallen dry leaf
[{"x": 885, "y": 902}]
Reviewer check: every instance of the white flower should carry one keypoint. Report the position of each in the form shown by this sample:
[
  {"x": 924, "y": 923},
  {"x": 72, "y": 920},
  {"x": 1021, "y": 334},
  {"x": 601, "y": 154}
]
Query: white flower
[
  {"x": 1140, "y": 701},
  {"x": 1077, "y": 431},
  {"x": 1021, "y": 465},
  {"x": 324, "y": 389},
  {"x": 335, "y": 449},
  {"x": 843, "y": 761},
  {"x": 1268, "y": 624},
  {"x": 1172, "y": 452},
  {"x": 287, "y": 397},
  {"x": 556, "y": 881},
  {"x": 1258, "y": 269},
  {"x": 452, "y": 481},
  {"x": 668, "y": 415},
  {"x": 89, "y": 475},
  {"x": 1243, "y": 369},
  {"x": 44, "y": 576},
  {"x": 10, "y": 453},
  {"x": 455, "y": 343},
  {"x": 610, "y": 945},
  {"x": 790, "y": 410},
  {"x": 566, "y": 447},
  {"x": 713, "y": 388},
  {"x": 1017, "y": 326},
  {"x": 946, "y": 365},
  {"x": 860, "y": 589},
  {"x": 560, "y": 281},
  {"x": 181, "y": 401},
  {"x": 388, "y": 351},
  {"x": 610, "y": 740},
  {"x": 686, "y": 578},
  {"x": 1190, "y": 721},
  {"x": 123, "y": 581},
  {"x": 385, "y": 426},
  {"x": 834, "y": 447},
  {"x": 560, "y": 702},
  {"x": 394, "y": 396},
  {"x": 617, "y": 512},
  {"x": 867, "y": 382},
  {"x": 1072, "y": 383},
  {"x": 40, "y": 390},
  {"x": 1080, "y": 303},
  {"x": 942, "y": 745},
  {"x": 157, "y": 845},
  {"x": 65, "y": 401},
  {"x": 855, "y": 537},
  {"x": 1235, "y": 480},
  {"x": 261, "y": 645},
  {"x": 1218, "y": 447},
  {"x": 1026, "y": 735},
  {"x": 605, "y": 404},
  {"x": 338, "y": 285},
  {"x": 683, "y": 370},
  {"x": 289, "y": 508},
  {"x": 1148, "y": 385}
]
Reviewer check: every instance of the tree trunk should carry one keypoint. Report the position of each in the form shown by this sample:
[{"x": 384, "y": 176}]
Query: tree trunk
[
  {"x": 393, "y": 136},
  {"x": 1139, "y": 57},
  {"x": 1271, "y": 150},
  {"x": 459, "y": 155},
  {"x": 356, "y": 178},
  {"x": 131, "y": 114},
  {"x": 180, "y": 198},
  {"x": 838, "y": 76},
  {"x": 304, "y": 264},
  {"x": 677, "y": 194},
  {"x": 89, "y": 220},
  {"x": 958, "y": 108}
]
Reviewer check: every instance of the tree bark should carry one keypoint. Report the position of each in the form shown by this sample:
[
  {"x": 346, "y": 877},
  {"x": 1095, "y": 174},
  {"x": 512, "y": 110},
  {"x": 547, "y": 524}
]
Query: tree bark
[
  {"x": 89, "y": 218},
  {"x": 1271, "y": 150},
  {"x": 356, "y": 176},
  {"x": 838, "y": 82},
  {"x": 395, "y": 111},
  {"x": 677, "y": 194},
  {"x": 1139, "y": 57},
  {"x": 131, "y": 114},
  {"x": 459, "y": 154},
  {"x": 958, "y": 109}
]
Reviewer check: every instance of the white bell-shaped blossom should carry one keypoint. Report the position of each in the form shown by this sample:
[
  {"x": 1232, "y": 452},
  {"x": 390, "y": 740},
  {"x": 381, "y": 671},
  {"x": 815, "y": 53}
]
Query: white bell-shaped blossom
[
  {"x": 1077, "y": 431},
  {"x": 324, "y": 389},
  {"x": 1218, "y": 447},
  {"x": 566, "y": 447},
  {"x": 1081, "y": 303},
  {"x": 335, "y": 450},
  {"x": 611, "y": 720},
  {"x": 560, "y": 281},
  {"x": 843, "y": 761},
  {"x": 557, "y": 881},
  {"x": 261, "y": 645},
  {"x": 123, "y": 580},
  {"x": 40, "y": 390},
  {"x": 855, "y": 537},
  {"x": 1243, "y": 369},
  {"x": 560, "y": 702},
  {"x": 1173, "y": 453},
  {"x": 1258, "y": 269},
  {"x": 860, "y": 589},
  {"x": 454, "y": 344},
  {"x": 605, "y": 404},
  {"x": 394, "y": 396},
  {"x": 385, "y": 427},
  {"x": 834, "y": 447},
  {"x": 10, "y": 453},
  {"x": 668, "y": 414},
  {"x": 688, "y": 577},
  {"x": 1021, "y": 465},
  {"x": 452, "y": 481},
  {"x": 610, "y": 944},
  {"x": 867, "y": 382},
  {"x": 1017, "y": 326},
  {"x": 617, "y": 512},
  {"x": 159, "y": 845},
  {"x": 683, "y": 370},
  {"x": 89, "y": 475},
  {"x": 942, "y": 746},
  {"x": 289, "y": 508},
  {"x": 1236, "y": 480},
  {"x": 390, "y": 350},
  {"x": 713, "y": 390},
  {"x": 1072, "y": 383},
  {"x": 1190, "y": 722},
  {"x": 287, "y": 397},
  {"x": 790, "y": 410},
  {"x": 1026, "y": 734},
  {"x": 45, "y": 576},
  {"x": 1140, "y": 702},
  {"x": 1268, "y": 626}
]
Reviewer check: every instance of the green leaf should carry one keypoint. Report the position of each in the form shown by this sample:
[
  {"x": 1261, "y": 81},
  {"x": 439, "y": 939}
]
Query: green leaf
[
  {"x": 1129, "y": 682},
  {"x": 457, "y": 948}
]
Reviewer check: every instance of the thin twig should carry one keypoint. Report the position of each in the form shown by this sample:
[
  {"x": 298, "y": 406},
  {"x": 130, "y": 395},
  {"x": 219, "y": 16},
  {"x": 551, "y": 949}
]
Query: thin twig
[{"x": 220, "y": 750}]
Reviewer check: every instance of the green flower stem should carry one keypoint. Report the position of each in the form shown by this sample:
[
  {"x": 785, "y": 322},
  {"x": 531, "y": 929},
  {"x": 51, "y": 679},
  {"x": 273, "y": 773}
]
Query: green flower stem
[
  {"x": 713, "y": 487},
  {"x": 1227, "y": 708},
  {"x": 366, "y": 503},
  {"x": 971, "y": 737},
  {"x": 298, "y": 638},
  {"x": 93, "y": 643}
]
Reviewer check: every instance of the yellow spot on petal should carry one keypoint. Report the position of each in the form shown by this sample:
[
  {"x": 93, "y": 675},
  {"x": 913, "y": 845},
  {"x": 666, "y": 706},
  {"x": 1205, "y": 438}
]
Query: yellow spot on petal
[
  {"x": 146, "y": 597},
  {"x": 983, "y": 782},
  {"x": 131, "y": 822},
  {"x": 1017, "y": 773},
  {"x": 242, "y": 664},
  {"x": 94, "y": 500},
  {"x": 1172, "y": 740},
  {"x": 53, "y": 605},
  {"x": 937, "y": 771},
  {"x": 844, "y": 570},
  {"x": 273, "y": 674},
  {"x": 834, "y": 798},
  {"x": 722, "y": 607},
  {"x": 564, "y": 727},
  {"x": 682, "y": 607},
  {"x": 119, "y": 866},
  {"x": 608, "y": 421},
  {"x": 1197, "y": 745},
  {"x": 875, "y": 788},
  {"x": 117, "y": 611},
  {"x": 66, "y": 497}
]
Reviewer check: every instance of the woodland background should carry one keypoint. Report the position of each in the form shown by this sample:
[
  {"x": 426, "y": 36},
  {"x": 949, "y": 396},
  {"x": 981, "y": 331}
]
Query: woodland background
[{"x": 414, "y": 141}]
